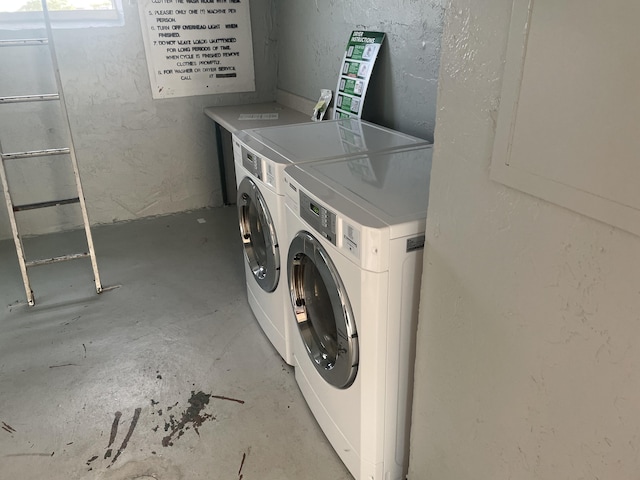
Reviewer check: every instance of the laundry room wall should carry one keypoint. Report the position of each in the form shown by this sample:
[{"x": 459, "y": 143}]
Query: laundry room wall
[
  {"x": 528, "y": 356},
  {"x": 312, "y": 37},
  {"x": 138, "y": 156}
]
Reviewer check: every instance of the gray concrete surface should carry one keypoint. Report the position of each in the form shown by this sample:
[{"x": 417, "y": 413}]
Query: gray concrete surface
[{"x": 166, "y": 377}]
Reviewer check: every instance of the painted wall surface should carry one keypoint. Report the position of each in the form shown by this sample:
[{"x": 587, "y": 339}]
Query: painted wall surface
[
  {"x": 528, "y": 356},
  {"x": 402, "y": 94},
  {"x": 138, "y": 156}
]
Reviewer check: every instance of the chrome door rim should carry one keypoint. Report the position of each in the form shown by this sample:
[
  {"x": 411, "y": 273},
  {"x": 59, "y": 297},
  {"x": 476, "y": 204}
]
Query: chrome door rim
[
  {"x": 342, "y": 372},
  {"x": 267, "y": 273}
]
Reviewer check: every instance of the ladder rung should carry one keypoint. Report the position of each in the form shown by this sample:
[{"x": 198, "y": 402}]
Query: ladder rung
[
  {"x": 52, "y": 203},
  {"x": 62, "y": 258},
  {"x": 30, "y": 98},
  {"x": 35, "y": 153},
  {"x": 26, "y": 42}
]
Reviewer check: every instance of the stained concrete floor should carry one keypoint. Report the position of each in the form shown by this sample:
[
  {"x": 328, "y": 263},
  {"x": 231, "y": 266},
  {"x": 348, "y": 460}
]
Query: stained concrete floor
[{"x": 166, "y": 377}]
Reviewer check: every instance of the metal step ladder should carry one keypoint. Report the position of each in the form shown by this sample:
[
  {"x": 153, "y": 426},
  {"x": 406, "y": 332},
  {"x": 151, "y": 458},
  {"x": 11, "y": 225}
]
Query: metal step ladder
[{"x": 12, "y": 208}]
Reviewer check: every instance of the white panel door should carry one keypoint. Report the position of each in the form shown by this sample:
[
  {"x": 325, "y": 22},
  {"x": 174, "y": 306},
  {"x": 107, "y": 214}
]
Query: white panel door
[{"x": 569, "y": 121}]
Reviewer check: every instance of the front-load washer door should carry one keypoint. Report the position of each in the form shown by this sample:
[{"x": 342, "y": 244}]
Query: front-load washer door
[
  {"x": 258, "y": 235},
  {"x": 322, "y": 310}
]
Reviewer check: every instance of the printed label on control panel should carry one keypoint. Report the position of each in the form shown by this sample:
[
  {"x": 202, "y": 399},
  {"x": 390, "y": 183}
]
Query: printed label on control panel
[
  {"x": 351, "y": 240},
  {"x": 271, "y": 174},
  {"x": 415, "y": 243}
]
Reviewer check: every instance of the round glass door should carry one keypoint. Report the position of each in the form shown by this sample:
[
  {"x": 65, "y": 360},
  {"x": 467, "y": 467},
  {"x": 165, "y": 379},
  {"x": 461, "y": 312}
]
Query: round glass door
[
  {"x": 322, "y": 310},
  {"x": 258, "y": 235}
]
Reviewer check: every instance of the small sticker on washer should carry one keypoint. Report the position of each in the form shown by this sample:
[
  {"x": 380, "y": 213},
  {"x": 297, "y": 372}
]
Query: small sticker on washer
[
  {"x": 415, "y": 243},
  {"x": 270, "y": 174},
  {"x": 351, "y": 239}
]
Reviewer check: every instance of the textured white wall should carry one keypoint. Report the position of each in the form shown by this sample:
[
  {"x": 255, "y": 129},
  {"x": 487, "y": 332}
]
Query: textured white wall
[
  {"x": 138, "y": 156},
  {"x": 402, "y": 94},
  {"x": 528, "y": 356}
]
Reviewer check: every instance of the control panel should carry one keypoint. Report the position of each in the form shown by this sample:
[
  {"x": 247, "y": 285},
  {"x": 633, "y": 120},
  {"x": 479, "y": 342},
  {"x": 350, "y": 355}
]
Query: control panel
[
  {"x": 318, "y": 217},
  {"x": 252, "y": 163}
]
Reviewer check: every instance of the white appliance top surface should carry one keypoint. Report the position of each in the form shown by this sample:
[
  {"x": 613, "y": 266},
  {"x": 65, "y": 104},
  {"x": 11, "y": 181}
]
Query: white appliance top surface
[
  {"x": 313, "y": 141},
  {"x": 392, "y": 186}
]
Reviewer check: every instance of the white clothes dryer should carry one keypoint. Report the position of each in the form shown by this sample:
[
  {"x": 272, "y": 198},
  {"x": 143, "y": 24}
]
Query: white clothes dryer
[
  {"x": 355, "y": 229},
  {"x": 260, "y": 157}
]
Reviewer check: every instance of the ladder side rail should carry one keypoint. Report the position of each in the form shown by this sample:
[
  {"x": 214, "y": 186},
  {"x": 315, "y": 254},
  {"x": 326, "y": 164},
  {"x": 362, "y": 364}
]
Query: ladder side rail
[
  {"x": 16, "y": 234},
  {"x": 72, "y": 152}
]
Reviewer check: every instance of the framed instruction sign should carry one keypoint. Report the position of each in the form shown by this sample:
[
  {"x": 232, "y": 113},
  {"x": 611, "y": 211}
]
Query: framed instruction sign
[
  {"x": 357, "y": 64},
  {"x": 197, "y": 47}
]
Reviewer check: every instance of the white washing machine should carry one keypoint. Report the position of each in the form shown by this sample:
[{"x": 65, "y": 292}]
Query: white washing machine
[
  {"x": 260, "y": 157},
  {"x": 355, "y": 230}
]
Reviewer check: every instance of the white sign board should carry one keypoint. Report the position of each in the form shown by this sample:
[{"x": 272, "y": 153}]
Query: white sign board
[{"x": 197, "y": 47}]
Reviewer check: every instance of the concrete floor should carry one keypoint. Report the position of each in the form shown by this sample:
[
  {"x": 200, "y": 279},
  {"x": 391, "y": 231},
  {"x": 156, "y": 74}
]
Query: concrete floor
[{"x": 166, "y": 377}]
